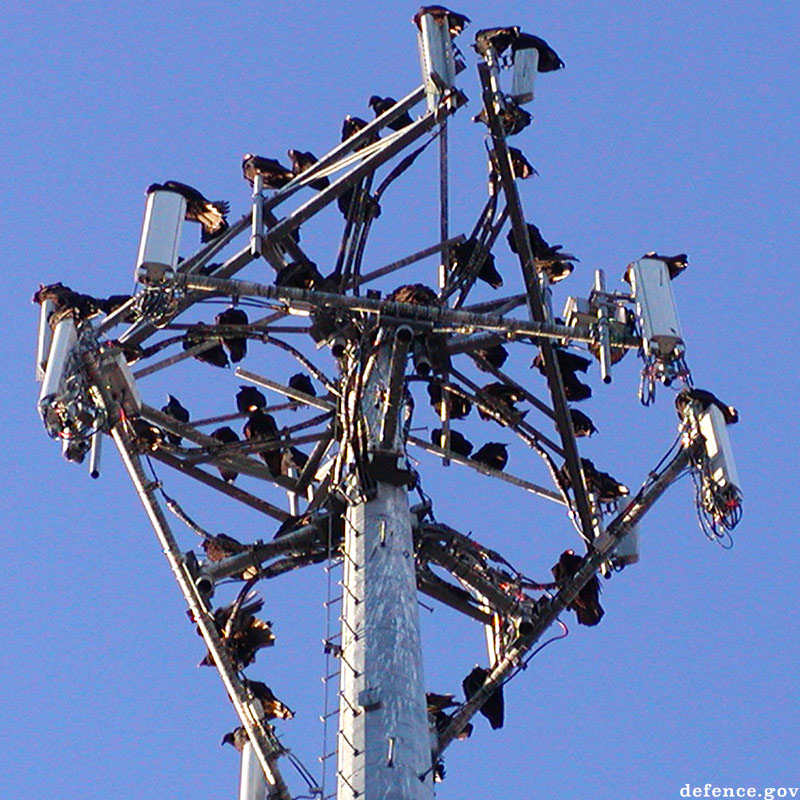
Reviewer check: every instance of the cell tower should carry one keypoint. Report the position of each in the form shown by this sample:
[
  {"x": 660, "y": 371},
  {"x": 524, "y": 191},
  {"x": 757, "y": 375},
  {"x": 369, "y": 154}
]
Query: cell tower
[{"x": 347, "y": 500}]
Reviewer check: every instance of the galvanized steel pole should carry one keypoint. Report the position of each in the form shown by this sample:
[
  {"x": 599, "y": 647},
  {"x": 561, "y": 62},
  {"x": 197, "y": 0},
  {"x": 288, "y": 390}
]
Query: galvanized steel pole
[{"x": 384, "y": 747}]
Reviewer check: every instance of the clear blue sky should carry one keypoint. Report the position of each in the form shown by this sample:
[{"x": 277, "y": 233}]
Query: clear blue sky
[{"x": 672, "y": 128}]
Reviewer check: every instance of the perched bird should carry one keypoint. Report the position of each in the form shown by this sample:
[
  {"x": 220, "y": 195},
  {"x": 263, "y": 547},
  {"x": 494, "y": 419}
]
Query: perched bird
[
  {"x": 521, "y": 168},
  {"x": 587, "y": 603},
  {"x": 235, "y": 345},
  {"x": 111, "y": 303},
  {"x": 242, "y": 632},
  {"x": 414, "y": 293},
  {"x": 493, "y": 708},
  {"x": 459, "y": 444},
  {"x": 300, "y": 275},
  {"x": 606, "y": 488},
  {"x": 211, "y": 215},
  {"x": 581, "y": 424},
  {"x": 443, "y": 16},
  {"x": 504, "y": 396},
  {"x": 63, "y": 298},
  {"x": 174, "y": 409},
  {"x": 492, "y": 454},
  {"x": 458, "y": 407},
  {"x": 548, "y": 258},
  {"x": 470, "y": 255},
  {"x": 303, "y": 160},
  {"x": 226, "y": 435},
  {"x": 273, "y": 173},
  {"x": 380, "y": 105},
  {"x": 499, "y": 39},
  {"x": 213, "y": 355},
  {"x": 237, "y": 738},
  {"x": 496, "y": 355},
  {"x": 549, "y": 60},
  {"x": 438, "y": 702},
  {"x": 513, "y": 118},
  {"x": 222, "y": 546},
  {"x": 273, "y": 708},
  {"x": 302, "y": 383},
  {"x": 352, "y": 125},
  {"x": 263, "y": 426},
  {"x": 248, "y": 399},
  {"x": 705, "y": 399},
  {"x": 675, "y": 264},
  {"x": 569, "y": 364},
  {"x": 149, "y": 436},
  {"x": 350, "y": 198},
  {"x": 292, "y": 459}
]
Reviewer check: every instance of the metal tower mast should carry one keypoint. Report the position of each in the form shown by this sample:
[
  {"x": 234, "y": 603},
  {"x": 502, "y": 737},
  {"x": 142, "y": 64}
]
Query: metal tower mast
[{"x": 347, "y": 497}]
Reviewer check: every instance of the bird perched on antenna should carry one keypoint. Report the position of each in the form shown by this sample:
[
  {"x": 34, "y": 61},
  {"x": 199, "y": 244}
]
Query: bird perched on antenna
[
  {"x": 302, "y": 383},
  {"x": 237, "y": 738},
  {"x": 263, "y": 426},
  {"x": 458, "y": 407},
  {"x": 242, "y": 632},
  {"x": 569, "y": 364},
  {"x": 273, "y": 708},
  {"x": 380, "y": 105},
  {"x": 606, "y": 488},
  {"x": 248, "y": 399},
  {"x": 226, "y": 435},
  {"x": 675, "y": 264},
  {"x": 503, "y": 396},
  {"x": 212, "y": 215},
  {"x": 470, "y": 257},
  {"x": 495, "y": 355},
  {"x": 586, "y": 604},
  {"x": 273, "y": 173},
  {"x": 581, "y": 423},
  {"x": 442, "y": 16},
  {"x": 199, "y": 334},
  {"x": 459, "y": 444},
  {"x": 493, "y": 707},
  {"x": 415, "y": 293},
  {"x": 521, "y": 168},
  {"x": 173, "y": 408},
  {"x": 352, "y": 125},
  {"x": 302, "y": 161},
  {"x": 704, "y": 399},
  {"x": 547, "y": 258},
  {"x": 492, "y": 454},
  {"x": 235, "y": 345}
]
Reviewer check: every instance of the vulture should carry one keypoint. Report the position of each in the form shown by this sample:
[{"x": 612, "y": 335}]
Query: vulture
[
  {"x": 243, "y": 633},
  {"x": 380, "y": 105},
  {"x": 496, "y": 355},
  {"x": 443, "y": 16},
  {"x": 458, "y": 406},
  {"x": 463, "y": 254},
  {"x": 705, "y": 399},
  {"x": 213, "y": 355},
  {"x": 504, "y": 396},
  {"x": 249, "y": 399},
  {"x": 274, "y": 174},
  {"x": 493, "y": 708},
  {"x": 222, "y": 546},
  {"x": 587, "y": 603},
  {"x": 581, "y": 423},
  {"x": 173, "y": 408},
  {"x": 302, "y": 383},
  {"x": 459, "y": 444},
  {"x": 235, "y": 345},
  {"x": 416, "y": 294},
  {"x": 492, "y": 454},
  {"x": 226, "y": 435},
  {"x": 549, "y": 258},
  {"x": 212, "y": 216},
  {"x": 273, "y": 708},
  {"x": 303, "y": 160}
]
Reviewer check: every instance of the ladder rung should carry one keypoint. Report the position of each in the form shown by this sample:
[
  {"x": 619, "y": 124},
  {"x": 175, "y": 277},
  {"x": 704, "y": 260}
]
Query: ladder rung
[
  {"x": 332, "y": 601},
  {"x": 325, "y": 758},
  {"x": 336, "y": 674},
  {"x": 329, "y": 715}
]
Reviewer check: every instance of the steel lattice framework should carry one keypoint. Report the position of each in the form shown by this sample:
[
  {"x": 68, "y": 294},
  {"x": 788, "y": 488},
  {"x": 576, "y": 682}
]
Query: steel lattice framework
[{"x": 347, "y": 499}]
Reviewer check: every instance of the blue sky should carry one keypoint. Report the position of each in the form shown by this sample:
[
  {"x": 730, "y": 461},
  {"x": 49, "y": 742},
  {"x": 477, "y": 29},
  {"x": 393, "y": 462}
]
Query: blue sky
[{"x": 672, "y": 128}]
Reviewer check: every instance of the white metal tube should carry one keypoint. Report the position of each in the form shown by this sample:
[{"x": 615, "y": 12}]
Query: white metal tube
[
  {"x": 45, "y": 338},
  {"x": 94, "y": 455},
  {"x": 252, "y": 785},
  {"x": 64, "y": 338}
]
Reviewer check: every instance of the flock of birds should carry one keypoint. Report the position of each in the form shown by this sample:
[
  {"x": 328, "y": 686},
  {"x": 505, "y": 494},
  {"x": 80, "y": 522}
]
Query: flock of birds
[{"x": 238, "y": 625}]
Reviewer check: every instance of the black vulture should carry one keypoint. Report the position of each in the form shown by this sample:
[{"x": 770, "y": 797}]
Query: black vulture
[
  {"x": 303, "y": 160},
  {"x": 443, "y": 16},
  {"x": 222, "y": 546},
  {"x": 226, "y": 435},
  {"x": 150, "y": 436},
  {"x": 300, "y": 275},
  {"x": 705, "y": 399},
  {"x": 273, "y": 708},
  {"x": 380, "y": 105},
  {"x": 213, "y": 355},
  {"x": 211, "y": 215},
  {"x": 675, "y": 264},
  {"x": 581, "y": 423},
  {"x": 462, "y": 255},
  {"x": 504, "y": 396},
  {"x": 549, "y": 258},
  {"x": 274, "y": 174},
  {"x": 302, "y": 383},
  {"x": 513, "y": 118},
  {"x": 606, "y": 488},
  {"x": 173, "y": 408},
  {"x": 496, "y": 355},
  {"x": 235, "y": 345},
  {"x": 569, "y": 363},
  {"x": 352, "y": 125},
  {"x": 458, "y": 406},
  {"x": 242, "y": 632},
  {"x": 521, "y": 168},
  {"x": 65, "y": 299},
  {"x": 414, "y": 293},
  {"x": 492, "y": 454},
  {"x": 459, "y": 444},
  {"x": 249, "y": 399},
  {"x": 499, "y": 39},
  {"x": 263, "y": 426},
  {"x": 237, "y": 738},
  {"x": 549, "y": 60},
  {"x": 493, "y": 708},
  {"x": 586, "y": 604}
]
